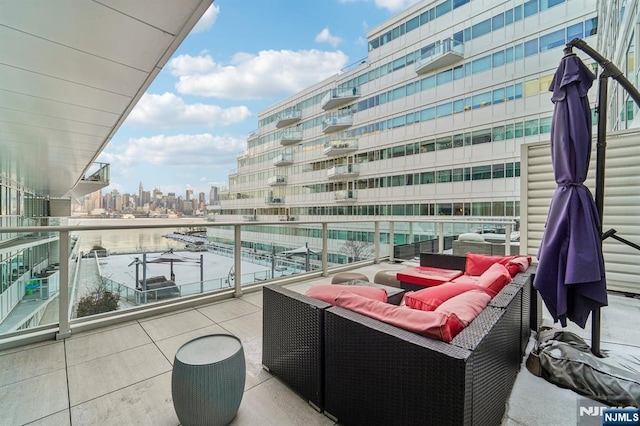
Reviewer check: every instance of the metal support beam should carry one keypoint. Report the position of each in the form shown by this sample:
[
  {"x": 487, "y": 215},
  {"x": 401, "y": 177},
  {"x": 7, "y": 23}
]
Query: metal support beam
[{"x": 64, "y": 329}]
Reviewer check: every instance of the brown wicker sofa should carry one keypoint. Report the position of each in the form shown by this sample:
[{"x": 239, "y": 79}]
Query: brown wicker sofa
[{"x": 363, "y": 371}]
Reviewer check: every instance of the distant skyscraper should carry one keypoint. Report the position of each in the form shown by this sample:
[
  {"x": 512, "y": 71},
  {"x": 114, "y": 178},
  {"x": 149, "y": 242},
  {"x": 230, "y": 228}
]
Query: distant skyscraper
[
  {"x": 214, "y": 195},
  {"x": 189, "y": 195},
  {"x": 140, "y": 192}
]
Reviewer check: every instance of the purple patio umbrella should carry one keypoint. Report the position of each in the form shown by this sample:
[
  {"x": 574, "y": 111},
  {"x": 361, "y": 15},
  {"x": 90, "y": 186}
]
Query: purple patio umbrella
[{"x": 570, "y": 275}]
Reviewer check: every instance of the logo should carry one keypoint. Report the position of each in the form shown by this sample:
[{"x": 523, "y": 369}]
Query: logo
[
  {"x": 594, "y": 413},
  {"x": 621, "y": 416}
]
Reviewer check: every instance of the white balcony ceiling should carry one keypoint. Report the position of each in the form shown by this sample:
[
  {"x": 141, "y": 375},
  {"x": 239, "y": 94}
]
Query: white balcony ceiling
[{"x": 70, "y": 73}]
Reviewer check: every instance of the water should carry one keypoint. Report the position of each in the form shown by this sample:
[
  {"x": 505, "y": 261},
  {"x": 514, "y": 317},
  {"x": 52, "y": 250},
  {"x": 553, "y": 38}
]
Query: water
[{"x": 130, "y": 240}]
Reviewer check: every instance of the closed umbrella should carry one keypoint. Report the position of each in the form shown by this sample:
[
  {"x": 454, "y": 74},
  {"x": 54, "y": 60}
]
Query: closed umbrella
[{"x": 570, "y": 275}]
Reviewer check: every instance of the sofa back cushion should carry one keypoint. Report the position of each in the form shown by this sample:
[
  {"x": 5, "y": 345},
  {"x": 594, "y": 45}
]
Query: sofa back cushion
[
  {"x": 329, "y": 292},
  {"x": 466, "y": 306},
  {"x": 435, "y": 325},
  {"x": 477, "y": 264},
  {"x": 428, "y": 299},
  {"x": 495, "y": 278}
]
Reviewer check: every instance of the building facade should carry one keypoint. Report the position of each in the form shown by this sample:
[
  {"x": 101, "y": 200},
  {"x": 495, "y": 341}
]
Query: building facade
[{"x": 430, "y": 124}]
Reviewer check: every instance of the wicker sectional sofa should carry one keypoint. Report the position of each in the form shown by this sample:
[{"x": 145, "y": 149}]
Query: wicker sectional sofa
[{"x": 362, "y": 371}]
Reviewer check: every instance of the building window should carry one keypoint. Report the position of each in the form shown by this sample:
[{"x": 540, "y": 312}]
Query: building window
[
  {"x": 554, "y": 39},
  {"x": 531, "y": 47},
  {"x": 530, "y": 8},
  {"x": 481, "y": 172},
  {"x": 444, "y": 176},
  {"x": 498, "y": 171}
]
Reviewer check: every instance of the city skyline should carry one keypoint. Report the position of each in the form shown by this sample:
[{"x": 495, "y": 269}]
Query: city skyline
[{"x": 187, "y": 131}]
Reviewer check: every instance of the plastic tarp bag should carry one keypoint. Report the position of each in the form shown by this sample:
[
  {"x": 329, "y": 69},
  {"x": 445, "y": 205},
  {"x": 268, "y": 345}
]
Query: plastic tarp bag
[{"x": 565, "y": 359}]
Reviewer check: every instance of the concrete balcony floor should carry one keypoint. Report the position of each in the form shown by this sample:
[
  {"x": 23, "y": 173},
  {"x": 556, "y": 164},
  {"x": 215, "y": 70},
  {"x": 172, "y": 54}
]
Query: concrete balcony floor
[{"x": 121, "y": 374}]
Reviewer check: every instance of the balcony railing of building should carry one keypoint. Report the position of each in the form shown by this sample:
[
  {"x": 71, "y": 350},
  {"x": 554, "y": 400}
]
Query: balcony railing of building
[
  {"x": 277, "y": 180},
  {"x": 444, "y": 53},
  {"x": 283, "y": 159},
  {"x": 336, "y": 122},
  {"x": 343, "y": 171},
  {"x": 274, "y": 200},
  {"x": 290, "y": 137},
  {"x": 340, "y": 146},
  {"x": 287, "y": 118},
  {"x": 55, "y": 288},
  {"x": 342, "y": 196},
  {"x": 338, "y": 97}
]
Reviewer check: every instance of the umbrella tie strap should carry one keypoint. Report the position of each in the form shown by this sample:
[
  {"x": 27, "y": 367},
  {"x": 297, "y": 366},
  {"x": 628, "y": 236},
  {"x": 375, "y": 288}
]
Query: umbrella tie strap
[{"x": 570, "y": 184}]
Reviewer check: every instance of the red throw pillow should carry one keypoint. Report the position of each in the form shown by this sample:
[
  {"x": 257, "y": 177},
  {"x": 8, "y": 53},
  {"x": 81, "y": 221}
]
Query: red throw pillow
[
  {"x": 495, "y": 278},
  {"x": 329, "y": 292},
  {"x": 428, "y": 299},
  {"x": 518, "y": 264},
  {"x": 477, "y": 264},
  {"x": 466, "y": 306},
  {"x": 430, "y": 324}
]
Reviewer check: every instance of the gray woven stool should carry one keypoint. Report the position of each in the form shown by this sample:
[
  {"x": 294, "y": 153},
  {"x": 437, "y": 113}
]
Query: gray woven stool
[
  {"x": 342, "y": 277},
  {"x": 207, "y": 381}
]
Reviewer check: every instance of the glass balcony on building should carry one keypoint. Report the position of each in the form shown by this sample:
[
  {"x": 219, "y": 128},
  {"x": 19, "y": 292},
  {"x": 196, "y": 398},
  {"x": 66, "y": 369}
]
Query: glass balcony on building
[
  {"x": 274, "y": 200},
  {"x": 94, "y": 180},
  {"x": 443, "y": 54},
  {"x": 345, "y": 196},
  {"x": 290, "y": 137},
  {"x": 283, "y": 160},
  {"x": 340, "y": 145},
  {"x": 277, "y": 180},
  {"x": 338, "y": 97},
  {"x": 287, "y": 118},
  {"x": 334, "y": 123},
  {"x": 343, "y": 171}
]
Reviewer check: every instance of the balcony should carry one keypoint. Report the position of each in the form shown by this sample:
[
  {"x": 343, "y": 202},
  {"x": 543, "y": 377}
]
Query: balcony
[
  {"x": 337, "y": 122},
  {"x": 96, "y": 179},
  {"x": 290, "y": 137},
  {"x": 343, "y": 171},
  {"x": 277, "y": 180},
  {"x": 345, "y": 196},
  {"x": 445, "y": 53},
  {"x": 283, "y": 160},
  {"x": 340, "y": 146},
  {"x": 288, "y": 118},
  {"x": 339, "y": 97},
  {"x": 110, "y": 382},
  {"x": 274, "y": 200}
]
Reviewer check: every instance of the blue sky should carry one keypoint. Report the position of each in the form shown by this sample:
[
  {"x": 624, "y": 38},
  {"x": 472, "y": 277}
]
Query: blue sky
[{"x": 188, "y": 129}]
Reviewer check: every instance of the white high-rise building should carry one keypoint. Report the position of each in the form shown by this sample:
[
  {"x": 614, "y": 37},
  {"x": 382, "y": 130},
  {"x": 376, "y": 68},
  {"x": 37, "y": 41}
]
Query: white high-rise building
[{"x": 428, "y": 125}]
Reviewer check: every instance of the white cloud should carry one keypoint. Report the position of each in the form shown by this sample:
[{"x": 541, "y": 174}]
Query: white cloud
[
  {"x": 207, "y": 20},
  {"x": 390, "y": 5},
  {"x": 168, "y": 110},
  {"x": 325, "y": 37},
  {"x": 270, "y": 73},
  {"x": 177, "y": 151}
]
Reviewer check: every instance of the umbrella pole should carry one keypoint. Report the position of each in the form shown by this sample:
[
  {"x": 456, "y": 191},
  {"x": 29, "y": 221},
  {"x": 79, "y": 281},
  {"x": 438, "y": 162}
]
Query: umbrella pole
[{"x": 601, "y": 150}]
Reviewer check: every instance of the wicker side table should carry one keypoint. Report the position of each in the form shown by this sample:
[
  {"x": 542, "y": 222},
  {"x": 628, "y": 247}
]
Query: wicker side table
[{"x": 207, "y": 381}]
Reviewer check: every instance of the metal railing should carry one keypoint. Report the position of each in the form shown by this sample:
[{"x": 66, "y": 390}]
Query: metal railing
[{"x": 281, "y": 269}]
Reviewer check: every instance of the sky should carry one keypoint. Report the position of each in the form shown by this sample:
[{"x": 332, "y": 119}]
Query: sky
[{"x": 188, "y": 129}]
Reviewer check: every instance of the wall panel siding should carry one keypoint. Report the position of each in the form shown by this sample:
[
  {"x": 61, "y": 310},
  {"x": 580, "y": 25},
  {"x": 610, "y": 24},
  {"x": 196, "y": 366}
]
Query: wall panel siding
[{"x": 621, "y": 204}]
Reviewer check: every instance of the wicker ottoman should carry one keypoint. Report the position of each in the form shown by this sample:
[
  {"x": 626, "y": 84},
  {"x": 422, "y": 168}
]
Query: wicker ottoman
[
  {"x": 387, "y": 277},
  {"x": 207, "y": 382},
  {"x": 342, "y": 277}
]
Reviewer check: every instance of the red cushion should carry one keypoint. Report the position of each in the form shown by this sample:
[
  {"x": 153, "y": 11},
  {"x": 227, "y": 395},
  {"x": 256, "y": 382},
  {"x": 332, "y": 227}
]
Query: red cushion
[
  {"x": 428, "y": 299},
  {"x": 466, "y": 279},
  {"x": 466, "y": 306},
  {"x": 518, "y": 264},
  {"x": 329, "y": 292},
  {"x": 430, "y": 324},
  {"x": 495, "y": 278},
  {"x": 478, "y": 263},
  {"x": 427, "y": 276}
]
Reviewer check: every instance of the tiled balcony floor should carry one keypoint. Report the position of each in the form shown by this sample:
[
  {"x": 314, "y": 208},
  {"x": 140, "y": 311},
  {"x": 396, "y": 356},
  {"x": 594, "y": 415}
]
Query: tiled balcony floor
[{"x": 121, "y": 374}]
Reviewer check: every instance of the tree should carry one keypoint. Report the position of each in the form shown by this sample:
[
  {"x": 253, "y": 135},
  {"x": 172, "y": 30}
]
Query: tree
[
  {"x": 98, "y": 301},
  {"x": 356, "y": 250}
]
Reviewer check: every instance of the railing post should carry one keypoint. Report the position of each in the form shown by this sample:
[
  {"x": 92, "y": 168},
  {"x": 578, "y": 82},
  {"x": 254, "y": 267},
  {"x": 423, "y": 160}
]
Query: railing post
[
  {"x": 376, "y": 242},
  {"x": 391, "y": 242},
  {"x": 237, "y": 261},
  {"x": 325, "y": 249},
  {"x": 441, "y": 237},
  {"x": 507, "y": 239},
  {"x": 64, "y": 329}
]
